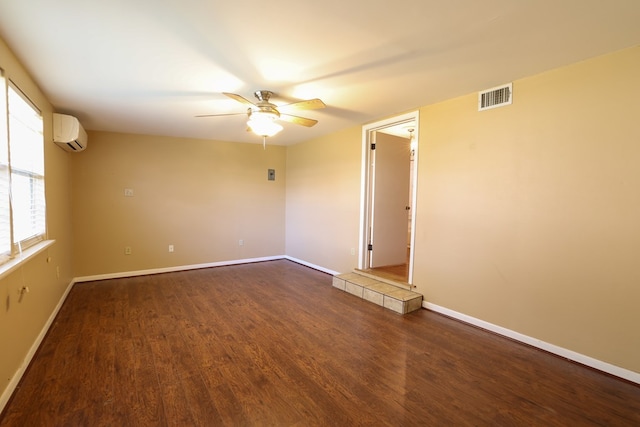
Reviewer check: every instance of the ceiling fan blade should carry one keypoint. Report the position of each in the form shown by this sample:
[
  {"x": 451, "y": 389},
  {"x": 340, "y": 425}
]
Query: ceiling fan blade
[
  {"x": 239, "y": 98},
  {"x": 309, "y": 104},
  {"x": 298, "y": 120},
  {"x": 216, "y": 115}
]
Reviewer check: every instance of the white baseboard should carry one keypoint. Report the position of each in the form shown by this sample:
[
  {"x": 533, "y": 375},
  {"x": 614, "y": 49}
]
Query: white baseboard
[
  {"x": 15, "y": 380},
  {"x": 308, "y": 264},
  {"x": 534, "y": 342},
  {"x": 198, "y": 266},
  {"x": 173, "y": 269}
]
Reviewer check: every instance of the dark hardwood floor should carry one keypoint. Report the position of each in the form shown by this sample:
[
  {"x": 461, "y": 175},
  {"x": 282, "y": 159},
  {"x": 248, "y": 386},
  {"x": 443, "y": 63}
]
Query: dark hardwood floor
[{"x": 275, "y": 344}]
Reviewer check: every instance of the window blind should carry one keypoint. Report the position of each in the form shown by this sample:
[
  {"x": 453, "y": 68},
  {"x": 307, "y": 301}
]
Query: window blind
[
  {"x": 5, "y": 213},
  {"x": 26, "y": 160}
]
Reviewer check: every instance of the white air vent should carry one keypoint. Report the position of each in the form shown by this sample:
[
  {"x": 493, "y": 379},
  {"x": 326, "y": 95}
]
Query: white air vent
[{"x": 495, "y": 97}]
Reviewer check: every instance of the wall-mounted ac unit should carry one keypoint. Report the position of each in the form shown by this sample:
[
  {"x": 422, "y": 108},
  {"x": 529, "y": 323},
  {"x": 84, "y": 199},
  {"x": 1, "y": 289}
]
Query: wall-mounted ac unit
[{"x": 68, "y": 133}]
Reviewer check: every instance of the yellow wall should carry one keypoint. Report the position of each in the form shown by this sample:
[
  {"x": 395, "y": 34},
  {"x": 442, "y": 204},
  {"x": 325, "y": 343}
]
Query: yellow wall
[
  {"x": 528, "y": 215},
  {"x": 323, "y": 200},
  {"x": 201, "y": 196},
  {"x": 22, "y": 319}
]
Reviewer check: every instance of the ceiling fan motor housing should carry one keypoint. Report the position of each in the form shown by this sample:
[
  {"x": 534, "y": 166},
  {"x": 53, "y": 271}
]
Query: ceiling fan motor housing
[{"x": 263, "y": 95}]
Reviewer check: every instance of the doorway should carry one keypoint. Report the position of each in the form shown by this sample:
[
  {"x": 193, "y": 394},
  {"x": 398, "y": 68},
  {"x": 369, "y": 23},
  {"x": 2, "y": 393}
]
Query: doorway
[{"x": 388, "y": 197}]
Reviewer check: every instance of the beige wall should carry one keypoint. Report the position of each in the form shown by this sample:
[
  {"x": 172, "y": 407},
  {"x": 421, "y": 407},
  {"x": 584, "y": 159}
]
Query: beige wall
[
  {"x": 22, "y": 319},
  {"x": 200, "y": 196},
  {"x": 323, "y": 200},
  {"x": 528, "y": 215}
]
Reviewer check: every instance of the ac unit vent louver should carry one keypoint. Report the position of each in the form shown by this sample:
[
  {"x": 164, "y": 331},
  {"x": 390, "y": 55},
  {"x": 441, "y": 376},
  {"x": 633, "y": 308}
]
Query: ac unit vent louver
[{"x": 495, "y": 97}]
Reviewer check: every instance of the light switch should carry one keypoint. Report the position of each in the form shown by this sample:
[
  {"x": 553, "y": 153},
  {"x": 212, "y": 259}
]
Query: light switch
[{"x": 271, "y": 175}]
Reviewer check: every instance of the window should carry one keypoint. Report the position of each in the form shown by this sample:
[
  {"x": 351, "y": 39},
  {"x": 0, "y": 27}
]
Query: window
[{"x": 22, "y": 201}]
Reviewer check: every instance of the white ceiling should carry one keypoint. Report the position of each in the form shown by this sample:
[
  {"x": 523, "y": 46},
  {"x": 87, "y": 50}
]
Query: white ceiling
[{"x": 150, "y": 66}]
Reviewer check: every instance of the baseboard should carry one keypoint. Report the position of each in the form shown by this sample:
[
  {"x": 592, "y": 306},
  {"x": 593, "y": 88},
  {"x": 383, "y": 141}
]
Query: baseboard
[
  {"x": 308, "y": 264},
  {"x": 173, "y": 269},
  {"x": 122, "y": 274},
  {"x": 17, "y": 376},
  {"x": 534, "y": 342}
]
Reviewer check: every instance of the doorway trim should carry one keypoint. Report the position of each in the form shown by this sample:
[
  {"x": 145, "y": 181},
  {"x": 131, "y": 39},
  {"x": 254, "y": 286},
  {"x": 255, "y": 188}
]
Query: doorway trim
[{"x": 366, "y": 196}]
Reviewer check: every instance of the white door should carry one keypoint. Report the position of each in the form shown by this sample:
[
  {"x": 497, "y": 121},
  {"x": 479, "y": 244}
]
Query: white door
[{"x": 391, "y": 172}]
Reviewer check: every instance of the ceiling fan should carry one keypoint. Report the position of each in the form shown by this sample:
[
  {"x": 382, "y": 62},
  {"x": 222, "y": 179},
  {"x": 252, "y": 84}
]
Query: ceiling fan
[{"x": 262, "y": 115}]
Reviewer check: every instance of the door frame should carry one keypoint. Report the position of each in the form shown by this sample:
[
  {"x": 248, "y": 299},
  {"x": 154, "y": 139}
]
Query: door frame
[{"x": 366, "y": 185}]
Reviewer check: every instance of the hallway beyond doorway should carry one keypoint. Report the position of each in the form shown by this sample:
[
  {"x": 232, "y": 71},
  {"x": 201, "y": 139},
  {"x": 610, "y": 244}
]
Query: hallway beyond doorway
[{"x": 397, "y": 273}]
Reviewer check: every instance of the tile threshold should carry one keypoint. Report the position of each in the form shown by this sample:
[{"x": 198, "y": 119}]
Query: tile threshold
[{"x": 383, "y": 292}]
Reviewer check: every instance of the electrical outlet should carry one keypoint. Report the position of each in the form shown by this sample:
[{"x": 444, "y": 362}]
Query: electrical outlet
[
  {"x": 128, "y": 192},
  {"x": 127, "y": 250},
  {"x": 353, "y": 251},
  {"x": 170, "y": 248},
  {"x": 240, "y": 242}
]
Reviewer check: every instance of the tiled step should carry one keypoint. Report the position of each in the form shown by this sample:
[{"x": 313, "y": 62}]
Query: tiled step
[
  {"x": 378, "y": 292},
  {"x": 402, "y": 285}
]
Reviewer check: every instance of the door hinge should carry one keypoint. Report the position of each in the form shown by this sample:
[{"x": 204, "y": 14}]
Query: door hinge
[
  {"x": 373, "y": 145},
  {"x": 370, "y": 247}
]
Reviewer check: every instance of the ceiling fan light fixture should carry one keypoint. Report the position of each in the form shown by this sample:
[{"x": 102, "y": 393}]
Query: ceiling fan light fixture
[
  {"x": 263, "y": 123},
  {"x": 263, "y": 115}
]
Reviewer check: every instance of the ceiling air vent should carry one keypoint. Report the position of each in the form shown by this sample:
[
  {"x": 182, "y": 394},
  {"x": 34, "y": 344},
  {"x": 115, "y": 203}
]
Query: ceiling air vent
[{"x": 495, "y": 97}]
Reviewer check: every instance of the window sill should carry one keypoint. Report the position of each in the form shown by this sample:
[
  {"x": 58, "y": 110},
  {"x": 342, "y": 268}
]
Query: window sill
[{"x": 13, "y": 264}]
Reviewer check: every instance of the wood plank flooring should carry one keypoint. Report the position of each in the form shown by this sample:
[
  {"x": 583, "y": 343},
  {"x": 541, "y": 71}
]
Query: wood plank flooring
[
  {"x": 274, "y": 344},
  {"x": 398, "y": 273}
]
